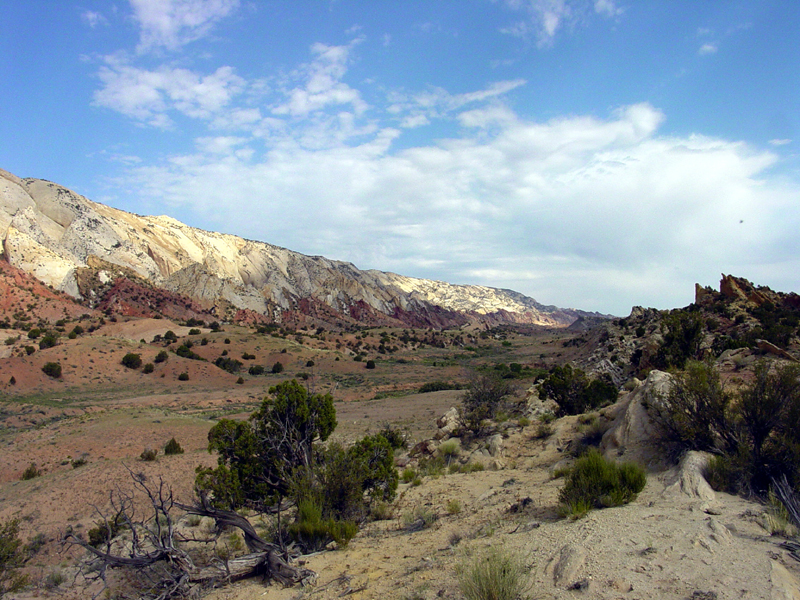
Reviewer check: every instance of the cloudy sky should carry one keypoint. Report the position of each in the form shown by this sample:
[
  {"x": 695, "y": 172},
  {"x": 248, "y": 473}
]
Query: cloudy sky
[{"x": 595, "y": 154}]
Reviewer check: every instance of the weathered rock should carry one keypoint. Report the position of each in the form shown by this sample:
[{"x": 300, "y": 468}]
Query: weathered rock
[
  {"x": 51, "y": 231},
  {"x": 566, "y": 566},
  {"x": 495, "y": 445},
  {"x": 771, "y": 348},
  {"x": 633, "y": 432},
  {"x": 689, "y": 480},
  {"x": 449, "y": 423}
]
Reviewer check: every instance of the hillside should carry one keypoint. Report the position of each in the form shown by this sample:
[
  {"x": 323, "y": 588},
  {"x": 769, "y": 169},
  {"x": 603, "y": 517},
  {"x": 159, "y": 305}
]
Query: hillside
[{"x": 82, "y": 248}]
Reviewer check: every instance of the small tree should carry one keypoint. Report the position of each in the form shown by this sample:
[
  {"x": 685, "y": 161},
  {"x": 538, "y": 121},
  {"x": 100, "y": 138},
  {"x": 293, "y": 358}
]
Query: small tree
[
  {"x": 277, "y": 368},
  {"x": 132, "y": 361},
  {"x": 484, "y": 396},
  {"x": 173, "y": 447},
  {"x": 11, "y": 557},
  {"x": 52, "y": 369},
  {"x": 257, "y": 459}
]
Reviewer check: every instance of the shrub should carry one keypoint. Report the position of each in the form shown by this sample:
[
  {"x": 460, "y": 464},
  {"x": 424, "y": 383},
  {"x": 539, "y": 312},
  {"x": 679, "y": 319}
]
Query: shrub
[
  {"x": 78, "y": 462},
  {"x": 483, "y": 398},
  {"x": 11, "y": 558},
  {"x": 421, "y": 517},
  {"x": 173, "y": 447},
  {"x": 162, "y": 356},
  {"x": 314, "y": 533},
  {"x": 370, "y": 364},
  {"x": 694, "y": 413},
  {"x": 682, "y": 332},
  {"x": 453, "y": 506},
  {"x": 183, "y": 377},
  {"x": 148, "y": 368},
  {"x": 194, "y": 332},
  {"x": 148, "y": 454},
  {"x": 594, "y": 482},
  {"x": 52, "y": 369},
  {"x": 48, "y": 341},
  {"x": 132, "y": 361},
  {"x": 104, "y": 531},
  {"x": 240, "y": 381},
  {"x": 31, "y": 472},
  {"x": 574, "y": 392},
  {"x": 29, "y": 350},
  {"x": 170, "y": 336},
  {"x": 231, "y": 365},
  {"x": 309, "y": 363},
  {"x": 185, "y": 351},
  {"x": 437, "y": 386},
  {"x": 246, "y": 356},
  {"x": 256, "y": 370},
  {"x": 408, "y": 475},
  {"x": 395, "y": 437},
  {"x": 496, "y": 574},
  {"x": 277, "y": 367}
]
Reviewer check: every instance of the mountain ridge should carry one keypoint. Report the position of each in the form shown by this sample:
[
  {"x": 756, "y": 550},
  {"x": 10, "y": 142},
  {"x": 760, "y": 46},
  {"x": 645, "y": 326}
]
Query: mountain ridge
[{"x": 68, "y": 241}]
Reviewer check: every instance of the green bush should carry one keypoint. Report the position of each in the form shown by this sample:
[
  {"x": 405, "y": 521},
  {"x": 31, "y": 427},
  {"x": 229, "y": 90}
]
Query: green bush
[
  {"x": 484, "y": 396},
  {"x": 52, "y": 369},
  {"x": 132, "y": 361},
  {"x": 162, "y": 356},
  {"x": 185, "y": 351},
  {"x": 314, "y": 533},
  {"x": 11, "y": 558},
  {"x": 496, "y": 574},
  {"x": 682, "y": 332},
  {"x": 48, "y": 341},
  {"x": 594, "y": 482},
  {"x": 183, "y": 377},
  {"x": 256, "y": 370},
  {"x": 194, "y": 332},
  {"x": 148, "y": 368},
  {"x": 277, "y": 368},
  {"x": 149, "y": 455},
  {"x": 370, "y": 364},
  {"x": 694, "y": 414},
  {"x": 31, "y": 472},
  {"x": 437, "y": 386},
  {"x": 231, "y": 365},
  {"x": 173, "y": 447},
  {"x": 574, "y": 392}
]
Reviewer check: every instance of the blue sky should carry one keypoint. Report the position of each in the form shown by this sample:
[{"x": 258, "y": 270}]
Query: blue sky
[{"x": 595, "y": 154}]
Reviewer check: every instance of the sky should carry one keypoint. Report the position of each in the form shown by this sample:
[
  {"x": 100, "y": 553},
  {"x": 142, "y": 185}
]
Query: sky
[{"x": 592, "y": 154}]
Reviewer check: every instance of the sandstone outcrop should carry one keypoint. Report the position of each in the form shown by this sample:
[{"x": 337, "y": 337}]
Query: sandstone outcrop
[{"x": 56, "y": 234}]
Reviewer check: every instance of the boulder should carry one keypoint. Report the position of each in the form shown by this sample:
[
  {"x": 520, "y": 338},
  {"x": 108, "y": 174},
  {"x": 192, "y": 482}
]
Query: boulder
[
  {"x": 449, "y": 423},
  {"x": 633, "y": 432},
  {"x": 495, "y": 445}
]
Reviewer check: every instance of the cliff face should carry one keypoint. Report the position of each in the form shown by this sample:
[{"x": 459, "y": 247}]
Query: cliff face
[{"x": 76, "y": 245}]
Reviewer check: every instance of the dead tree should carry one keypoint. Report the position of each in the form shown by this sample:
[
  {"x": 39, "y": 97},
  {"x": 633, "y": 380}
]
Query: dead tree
[{"x": 152, "y": 547}]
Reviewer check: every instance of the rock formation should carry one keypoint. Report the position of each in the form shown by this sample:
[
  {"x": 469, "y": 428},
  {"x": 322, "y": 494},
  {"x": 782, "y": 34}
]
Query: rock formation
[{"x": 81, "y": 247}]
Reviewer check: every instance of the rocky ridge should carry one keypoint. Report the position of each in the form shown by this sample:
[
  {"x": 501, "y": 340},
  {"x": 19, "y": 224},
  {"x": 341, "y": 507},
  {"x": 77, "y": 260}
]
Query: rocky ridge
[{"x": 79, "y": 246}]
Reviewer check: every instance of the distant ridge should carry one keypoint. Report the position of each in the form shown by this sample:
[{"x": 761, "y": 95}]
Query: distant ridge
[{"x": 83, "y": 248}]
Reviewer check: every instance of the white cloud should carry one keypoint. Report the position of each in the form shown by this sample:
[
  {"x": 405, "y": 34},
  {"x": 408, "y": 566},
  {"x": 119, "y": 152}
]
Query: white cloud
[
  {"x": 418, "y": 109},
  {"x": 707, "y": 48},
  {"x": 93, "y": 19},
  {"x": 171, "y": 24},
  {"x": 321, "y": 84},
  {"x": 546, "y": 17},
  {"x": 607, "y": 8},
  {"x": 542, "y": 207},
  {"x": 149, "y": 96},
  {"x": 780, "y": 142}
]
